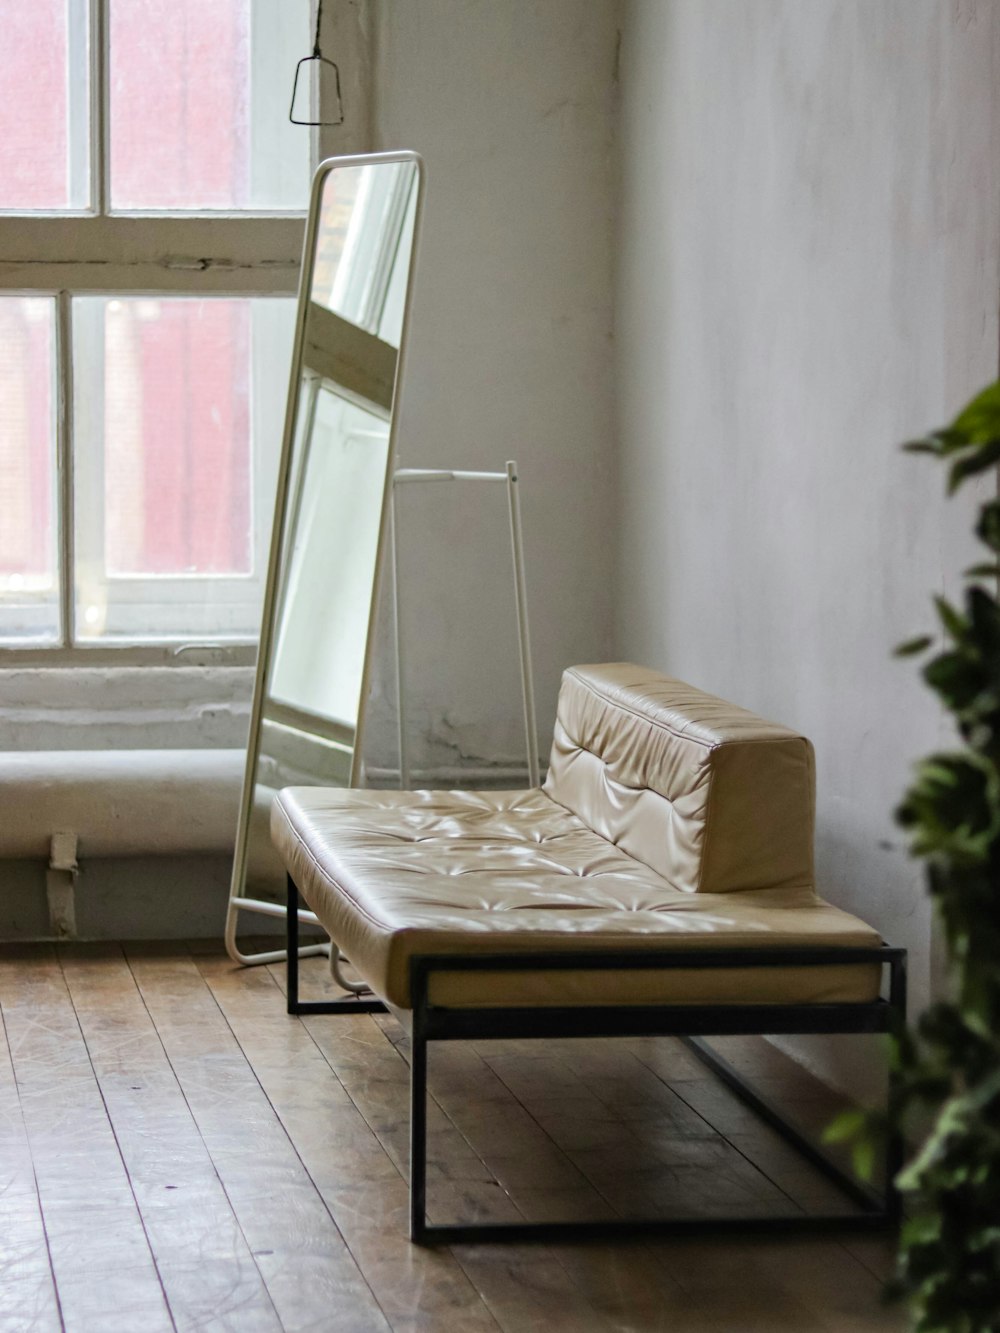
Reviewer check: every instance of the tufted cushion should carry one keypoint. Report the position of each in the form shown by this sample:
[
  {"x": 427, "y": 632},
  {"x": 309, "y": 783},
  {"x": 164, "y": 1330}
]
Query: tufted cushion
[{"x": 708, "y": 795}]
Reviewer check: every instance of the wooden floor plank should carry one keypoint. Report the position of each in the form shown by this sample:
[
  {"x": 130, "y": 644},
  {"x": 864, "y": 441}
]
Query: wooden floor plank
[
  {"x": 29, "y": 1305},
  {"x": 27, "y": 1288},
  {"x": 284, "y": 1227},
  {"x": 75, "y": 1156},
  {"x": 774, "y": 1074},
  {"x": 592, "y": 1286},
  {"x": 487, "y": 1161},
  {"x": 193, "y": 1233},
  {"x": 640, "y": 1141},
  {"x": 357, "y": 1178}
]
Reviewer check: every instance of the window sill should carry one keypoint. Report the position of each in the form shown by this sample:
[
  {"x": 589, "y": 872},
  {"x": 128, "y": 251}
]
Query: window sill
[{"x": 132, "y": 655}]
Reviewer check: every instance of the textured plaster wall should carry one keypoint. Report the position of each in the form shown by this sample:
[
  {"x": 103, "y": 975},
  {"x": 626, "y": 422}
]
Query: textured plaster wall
[
  {"x": 510, "y": 356},
  {"x": 807, "y": 275}
]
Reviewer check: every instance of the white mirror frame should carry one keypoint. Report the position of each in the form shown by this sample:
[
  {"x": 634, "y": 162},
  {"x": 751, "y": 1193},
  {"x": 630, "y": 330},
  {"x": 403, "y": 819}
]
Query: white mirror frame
[{"x": 237, "y": 902}]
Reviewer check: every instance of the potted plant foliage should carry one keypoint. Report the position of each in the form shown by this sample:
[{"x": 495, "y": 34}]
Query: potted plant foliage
[{"x": 948, "y": 1063}]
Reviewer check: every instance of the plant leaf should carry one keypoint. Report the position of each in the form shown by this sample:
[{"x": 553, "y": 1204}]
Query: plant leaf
[
  {"x": 913, "y": 646},
  {"x": 988, "y": 527},
  {"x": 971, "y": 464},
  {"x": 952, "y": 619},
  {"x": 947, "y": 1064},
  {"x": 979, "y": 420},
  {"x": 845, "y": 1126}
]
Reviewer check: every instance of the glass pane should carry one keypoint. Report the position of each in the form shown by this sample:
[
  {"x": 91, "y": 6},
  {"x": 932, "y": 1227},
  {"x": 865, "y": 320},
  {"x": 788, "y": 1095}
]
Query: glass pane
[
  {"x": 178, "y": 429},
  {"x": 29, "y": 593},
  {"x": 199, "y": 105},
  {"x": 43, "y": 111}
]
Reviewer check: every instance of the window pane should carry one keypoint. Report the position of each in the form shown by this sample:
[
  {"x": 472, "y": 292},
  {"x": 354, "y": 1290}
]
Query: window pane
[
  {"x": 176, "y": 437},
  {"x": 178, "y": 426},
  {"x": 199, "y": 104},
  {"x": 29, "y": 593},
  {"x": 43, "y": 111}
]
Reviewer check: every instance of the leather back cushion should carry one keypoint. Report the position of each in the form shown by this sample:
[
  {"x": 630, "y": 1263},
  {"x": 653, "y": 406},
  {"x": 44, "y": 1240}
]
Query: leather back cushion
[{"x": 710, "y": 796}]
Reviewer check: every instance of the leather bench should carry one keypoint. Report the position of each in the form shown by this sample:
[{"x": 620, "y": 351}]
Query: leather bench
[{"x": 660, "y": 881}]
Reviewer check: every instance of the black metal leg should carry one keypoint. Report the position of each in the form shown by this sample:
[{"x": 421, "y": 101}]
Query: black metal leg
[
  {"x": 418, "y": 1136},
  {"x": 862, "y": 1195},
  {"x": 354, "y": 1005},
  {"x": 895, "y": 1147},
  {"x": 292, "y": 955},
  {"x": 874, "y": 1211}
]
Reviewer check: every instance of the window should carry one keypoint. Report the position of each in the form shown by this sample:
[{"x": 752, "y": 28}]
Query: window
[{"x": 152, "y": 193}]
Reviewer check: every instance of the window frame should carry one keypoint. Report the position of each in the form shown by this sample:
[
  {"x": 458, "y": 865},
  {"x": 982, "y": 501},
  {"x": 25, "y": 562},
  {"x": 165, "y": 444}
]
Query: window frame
[{"x": 62, "y": 254}]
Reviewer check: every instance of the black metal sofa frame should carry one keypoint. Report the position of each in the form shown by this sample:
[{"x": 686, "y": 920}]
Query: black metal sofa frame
[{"x": 873, "y": 1208}]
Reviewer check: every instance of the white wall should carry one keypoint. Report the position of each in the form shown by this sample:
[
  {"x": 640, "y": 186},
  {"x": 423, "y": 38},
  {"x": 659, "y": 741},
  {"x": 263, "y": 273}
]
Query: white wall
[
  {"x": 511, "y": 105},
  {"x": 808, "y": 275}
]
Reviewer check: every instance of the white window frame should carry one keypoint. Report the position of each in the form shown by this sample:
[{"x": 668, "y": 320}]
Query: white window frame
[{"x": 97, "y": 251}]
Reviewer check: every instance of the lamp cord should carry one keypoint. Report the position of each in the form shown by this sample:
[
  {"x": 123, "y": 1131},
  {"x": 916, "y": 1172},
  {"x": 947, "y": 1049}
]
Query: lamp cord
[{"x": 319, "y": 21}]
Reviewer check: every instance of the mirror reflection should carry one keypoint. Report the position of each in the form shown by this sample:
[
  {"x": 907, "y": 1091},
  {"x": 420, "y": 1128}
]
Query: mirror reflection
[{"x": 331, "y": 504}]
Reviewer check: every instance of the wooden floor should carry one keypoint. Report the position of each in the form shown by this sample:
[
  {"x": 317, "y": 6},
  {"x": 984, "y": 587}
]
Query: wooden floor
[{"x": 177, "y": 1153}]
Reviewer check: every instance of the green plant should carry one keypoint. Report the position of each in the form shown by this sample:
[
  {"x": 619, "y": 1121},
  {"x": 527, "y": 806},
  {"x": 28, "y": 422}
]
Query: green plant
[{"x": 948, "y": 1063}]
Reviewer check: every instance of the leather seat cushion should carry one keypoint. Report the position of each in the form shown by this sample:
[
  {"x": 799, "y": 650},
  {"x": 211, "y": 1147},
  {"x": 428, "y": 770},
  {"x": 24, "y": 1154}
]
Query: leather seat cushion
[{"x": 397, "y": 874}]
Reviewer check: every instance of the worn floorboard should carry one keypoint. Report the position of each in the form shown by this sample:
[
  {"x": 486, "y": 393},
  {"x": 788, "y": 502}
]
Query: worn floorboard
[{"x": 177, "y": 1153}]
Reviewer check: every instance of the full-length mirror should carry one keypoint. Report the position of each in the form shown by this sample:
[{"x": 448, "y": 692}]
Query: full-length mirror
[{"x": 331, "y": 504}]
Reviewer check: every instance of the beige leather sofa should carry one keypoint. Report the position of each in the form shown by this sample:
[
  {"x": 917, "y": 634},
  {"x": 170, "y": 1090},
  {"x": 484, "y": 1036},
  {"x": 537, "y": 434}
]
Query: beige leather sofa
[{"x": 660, "y": 881}]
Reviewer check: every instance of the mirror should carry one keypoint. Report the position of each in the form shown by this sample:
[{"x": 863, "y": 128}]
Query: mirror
[{"x": 330, "y": 507}]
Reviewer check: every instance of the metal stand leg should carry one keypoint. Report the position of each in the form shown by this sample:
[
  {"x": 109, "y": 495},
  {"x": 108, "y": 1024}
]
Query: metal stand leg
[
  {"x": 345, "y": 983},
  {"x": 523, "y": 636},
  {"x": 401, "y": 741},
  {"x": 509, "y": 477},
  {"x": 240, "y": 904}
]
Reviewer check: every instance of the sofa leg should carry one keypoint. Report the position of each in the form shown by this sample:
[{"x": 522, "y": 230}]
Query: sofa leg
[
  {"x": 292, "y": 947},
  {"x": 861, "y": 1194},
  {"x": 355, "y": 1005},
  {"x": 418, "y": 1137},
  {"x": 896, "y": 1147},
  {"x": 890, "y": 1204}
]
